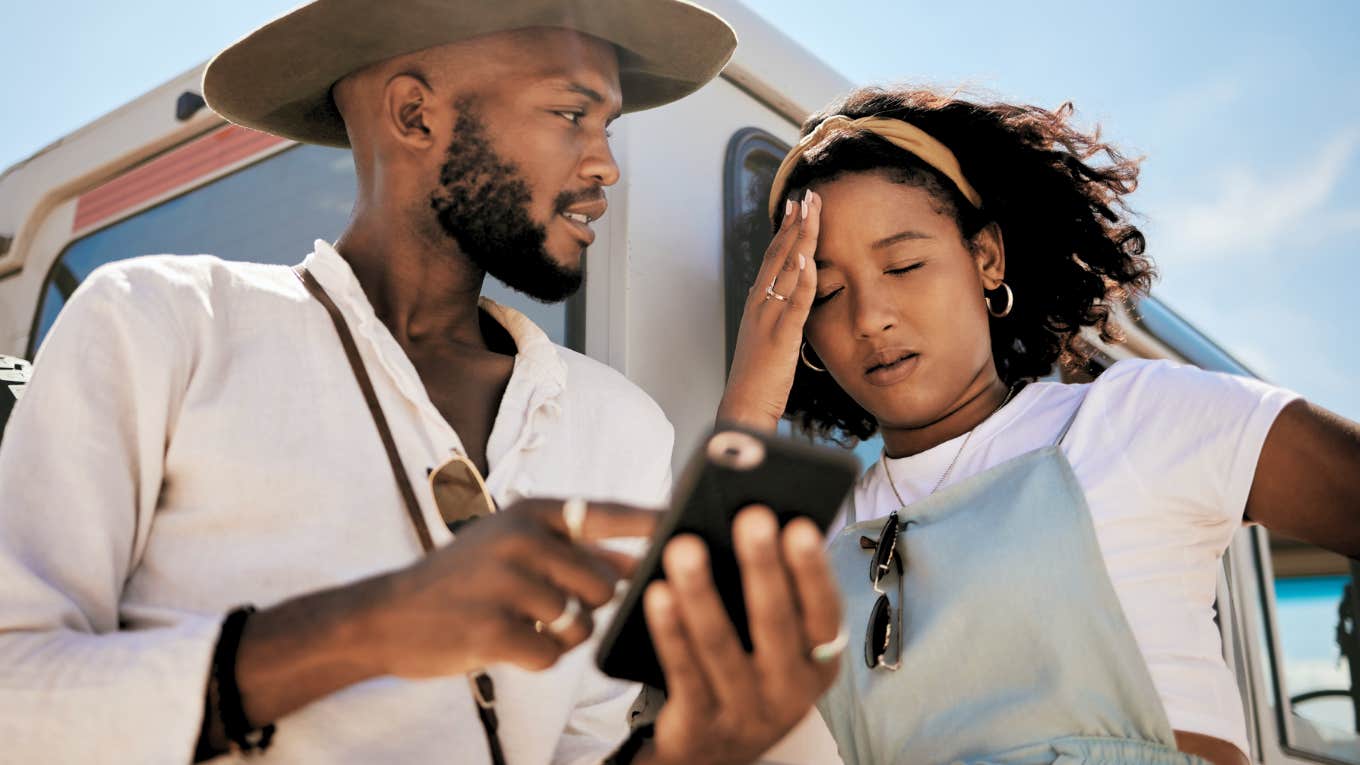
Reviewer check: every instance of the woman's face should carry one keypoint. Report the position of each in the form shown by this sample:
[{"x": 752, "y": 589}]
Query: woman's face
[{"x": 899, "y": 320}]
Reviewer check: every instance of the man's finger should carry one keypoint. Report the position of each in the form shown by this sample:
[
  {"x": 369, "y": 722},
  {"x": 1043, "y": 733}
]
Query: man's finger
[
  {"x": 517, "y": 643},
  {"x": 539, "y": 601},
  {"x": 725, "y": 662},
  {"x": 574, "y": 569},
  {"x": 624, "y": 564},
  {"x": 603, "y": 520}
]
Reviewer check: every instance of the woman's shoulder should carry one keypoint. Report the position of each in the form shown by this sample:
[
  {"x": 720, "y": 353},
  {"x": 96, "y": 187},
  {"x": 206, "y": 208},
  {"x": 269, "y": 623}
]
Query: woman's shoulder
[
  {"x": 1152, "y": 375},
  {"x": 1184, "y": 431},
  {"x": 1152, "y": 407},
  {"x": 1149, "y": 390}
]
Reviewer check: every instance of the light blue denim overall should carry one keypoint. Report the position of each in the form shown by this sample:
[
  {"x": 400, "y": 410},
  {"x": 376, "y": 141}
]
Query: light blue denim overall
[{"x": 1015, "y": 650}]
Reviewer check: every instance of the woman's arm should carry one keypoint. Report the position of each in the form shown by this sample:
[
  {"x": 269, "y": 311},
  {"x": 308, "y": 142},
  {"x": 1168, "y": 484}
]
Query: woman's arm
[{"x": 1307, "y": 483}]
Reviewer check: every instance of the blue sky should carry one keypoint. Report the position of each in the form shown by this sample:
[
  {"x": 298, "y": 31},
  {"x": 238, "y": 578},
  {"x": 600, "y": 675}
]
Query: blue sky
[{"x": 1248, "y": 114}]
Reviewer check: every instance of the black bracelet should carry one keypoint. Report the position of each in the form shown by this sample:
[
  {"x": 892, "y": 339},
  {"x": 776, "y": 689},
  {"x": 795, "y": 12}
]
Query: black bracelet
[
  {"x": 629, "y": 749},
  {"x": 246, "y": 738}
]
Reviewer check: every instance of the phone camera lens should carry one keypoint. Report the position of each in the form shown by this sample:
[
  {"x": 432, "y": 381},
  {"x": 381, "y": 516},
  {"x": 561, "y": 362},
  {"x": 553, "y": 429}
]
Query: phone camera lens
[{"x": 735, "y": 450}]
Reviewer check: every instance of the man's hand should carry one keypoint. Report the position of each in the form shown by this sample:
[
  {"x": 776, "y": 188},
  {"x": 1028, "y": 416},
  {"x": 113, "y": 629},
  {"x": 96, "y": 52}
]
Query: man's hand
[
  {"x": 460, "y": 608},
  {"x": 727, "y": 705},
  {"x": 476, "y": 601}
]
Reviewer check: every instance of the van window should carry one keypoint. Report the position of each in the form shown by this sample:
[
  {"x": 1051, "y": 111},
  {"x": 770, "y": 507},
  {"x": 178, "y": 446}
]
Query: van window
[
  {"x": 1313, "y": 651},
  {"x": 268, "y": 212}
]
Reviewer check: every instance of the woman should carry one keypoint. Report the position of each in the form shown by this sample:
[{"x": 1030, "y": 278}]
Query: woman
[{"x": 1031, "y": 567}]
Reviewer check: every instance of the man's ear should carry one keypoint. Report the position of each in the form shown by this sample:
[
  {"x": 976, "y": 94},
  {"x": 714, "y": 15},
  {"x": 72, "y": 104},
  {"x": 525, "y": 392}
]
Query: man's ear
[
  {"x": 407, "y": 111},
  {"x": 989, "y": 252}
]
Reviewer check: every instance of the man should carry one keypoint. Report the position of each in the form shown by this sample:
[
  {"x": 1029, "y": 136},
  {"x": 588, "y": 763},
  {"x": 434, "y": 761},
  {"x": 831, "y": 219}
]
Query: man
[{"x": 231, "y": 453}]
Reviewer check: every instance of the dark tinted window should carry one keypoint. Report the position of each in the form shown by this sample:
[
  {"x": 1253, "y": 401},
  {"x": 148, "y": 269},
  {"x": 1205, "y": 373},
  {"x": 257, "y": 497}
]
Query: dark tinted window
[
  {"x": 269, "y": 212},
  {"x": 753, "y": 156}
]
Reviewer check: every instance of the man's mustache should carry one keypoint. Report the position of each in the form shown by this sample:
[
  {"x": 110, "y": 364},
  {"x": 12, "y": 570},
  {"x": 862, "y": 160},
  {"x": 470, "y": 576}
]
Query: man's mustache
[{"x": 568, "y": 198}]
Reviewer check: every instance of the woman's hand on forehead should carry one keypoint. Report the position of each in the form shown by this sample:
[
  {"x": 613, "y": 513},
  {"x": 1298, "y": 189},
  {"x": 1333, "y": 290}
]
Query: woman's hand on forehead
[{"x": 777, "y": 307}]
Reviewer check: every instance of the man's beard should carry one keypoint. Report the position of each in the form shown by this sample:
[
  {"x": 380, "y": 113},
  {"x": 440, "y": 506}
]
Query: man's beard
[{"x": 483, "y": 204}]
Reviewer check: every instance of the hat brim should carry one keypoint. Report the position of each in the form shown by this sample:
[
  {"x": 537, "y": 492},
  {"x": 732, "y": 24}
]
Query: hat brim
[{"x": 278, "y": 78}]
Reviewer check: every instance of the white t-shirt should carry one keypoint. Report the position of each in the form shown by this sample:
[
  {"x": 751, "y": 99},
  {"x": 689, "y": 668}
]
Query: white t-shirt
[{"x": 1166, "y": 454}]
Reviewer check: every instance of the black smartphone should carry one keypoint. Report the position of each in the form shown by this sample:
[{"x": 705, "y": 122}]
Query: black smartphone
[{"x": 733, "y": 468}]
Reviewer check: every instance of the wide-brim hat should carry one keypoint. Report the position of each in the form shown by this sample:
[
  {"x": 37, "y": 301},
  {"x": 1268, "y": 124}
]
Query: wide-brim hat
[{"x": 278, "y": 78}]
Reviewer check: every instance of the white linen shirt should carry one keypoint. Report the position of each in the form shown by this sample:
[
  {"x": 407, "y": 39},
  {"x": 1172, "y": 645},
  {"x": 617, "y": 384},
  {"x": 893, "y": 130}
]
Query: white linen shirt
[{"x": 193, "y": 439}]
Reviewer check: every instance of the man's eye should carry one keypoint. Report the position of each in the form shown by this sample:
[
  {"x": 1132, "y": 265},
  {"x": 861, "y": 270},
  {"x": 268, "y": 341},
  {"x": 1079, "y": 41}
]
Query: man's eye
[
  {"x": 572, "y": 117},
  {"x": 903, "y": 269}
]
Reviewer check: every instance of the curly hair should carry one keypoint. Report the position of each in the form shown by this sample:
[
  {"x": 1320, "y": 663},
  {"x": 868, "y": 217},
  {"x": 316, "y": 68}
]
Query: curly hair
[{"x": 1071, "y": 251}]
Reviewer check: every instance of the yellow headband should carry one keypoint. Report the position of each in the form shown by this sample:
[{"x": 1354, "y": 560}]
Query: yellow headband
[{"x": 901, "y": 134}]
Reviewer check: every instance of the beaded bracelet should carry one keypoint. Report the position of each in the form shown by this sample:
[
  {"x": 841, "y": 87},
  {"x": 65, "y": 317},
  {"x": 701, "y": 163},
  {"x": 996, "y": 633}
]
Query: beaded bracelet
[{"x": 246, "y": 738}]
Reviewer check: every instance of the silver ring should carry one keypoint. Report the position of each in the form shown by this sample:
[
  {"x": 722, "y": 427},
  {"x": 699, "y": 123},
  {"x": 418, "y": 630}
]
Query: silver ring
[
  {"x": 831, "y": 650},
  {"x": 770, "y": 293},
  {"x": 568, "y": 617},
  {"x": 574, "y": 517}
]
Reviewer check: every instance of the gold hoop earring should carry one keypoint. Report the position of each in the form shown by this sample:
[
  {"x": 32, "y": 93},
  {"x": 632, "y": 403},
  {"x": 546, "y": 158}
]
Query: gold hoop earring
[
  {"x": 802, "y": 354},
  {"x": 1010, "y": 302}
]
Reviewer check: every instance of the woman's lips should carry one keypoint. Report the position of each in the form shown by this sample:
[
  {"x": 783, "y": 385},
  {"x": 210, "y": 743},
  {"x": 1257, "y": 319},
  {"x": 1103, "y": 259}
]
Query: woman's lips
[{"x": 893, "y": 371}]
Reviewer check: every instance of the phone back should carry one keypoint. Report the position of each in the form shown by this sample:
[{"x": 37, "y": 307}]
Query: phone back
[{"x": 731, "y": 470}]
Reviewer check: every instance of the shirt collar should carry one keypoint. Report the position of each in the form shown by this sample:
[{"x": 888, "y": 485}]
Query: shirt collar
[{"x": 534, "y": 349}]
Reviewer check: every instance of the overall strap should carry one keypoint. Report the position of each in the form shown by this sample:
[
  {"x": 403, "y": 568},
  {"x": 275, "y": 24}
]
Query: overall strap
[{"x": 483, "y": 689}]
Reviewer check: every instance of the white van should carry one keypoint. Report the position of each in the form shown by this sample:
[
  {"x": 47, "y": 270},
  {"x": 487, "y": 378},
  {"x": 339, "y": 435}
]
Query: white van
[{"x": 664, "y": 284}]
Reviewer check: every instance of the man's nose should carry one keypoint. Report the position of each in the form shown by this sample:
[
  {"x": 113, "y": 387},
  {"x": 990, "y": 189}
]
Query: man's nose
[{"x": 598, "y": 164}]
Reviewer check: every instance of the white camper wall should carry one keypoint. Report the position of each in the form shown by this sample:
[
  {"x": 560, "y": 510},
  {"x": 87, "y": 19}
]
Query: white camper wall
[
  {"x": 672, "y": 328},
  {"x": 655, "y": 281}
]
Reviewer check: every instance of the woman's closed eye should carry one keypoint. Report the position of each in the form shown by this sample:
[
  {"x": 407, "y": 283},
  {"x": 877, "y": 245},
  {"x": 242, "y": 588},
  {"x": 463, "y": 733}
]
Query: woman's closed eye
[
  {"x": 899, "y": 270},
  {"x": 896, "y": 271},
  {"x": 825, "y": 296}
]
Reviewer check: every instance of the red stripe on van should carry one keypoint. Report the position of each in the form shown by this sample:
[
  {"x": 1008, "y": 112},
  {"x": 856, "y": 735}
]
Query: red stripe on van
[{"x": 180, "y": 167}]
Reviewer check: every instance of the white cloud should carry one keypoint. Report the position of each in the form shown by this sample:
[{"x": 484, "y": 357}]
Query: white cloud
[{"x": 1256, "y": 215}]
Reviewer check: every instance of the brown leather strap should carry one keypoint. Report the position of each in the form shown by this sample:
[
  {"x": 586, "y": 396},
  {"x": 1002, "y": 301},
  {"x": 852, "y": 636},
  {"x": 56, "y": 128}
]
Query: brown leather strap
[
  {"x": 374, "y": 408},
  {"x": 483, "y": 689}
]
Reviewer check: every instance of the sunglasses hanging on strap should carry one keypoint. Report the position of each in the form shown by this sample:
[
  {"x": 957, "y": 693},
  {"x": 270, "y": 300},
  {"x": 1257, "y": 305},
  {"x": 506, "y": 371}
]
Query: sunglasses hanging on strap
[
  {"x": 457, "y": 486},
  {"x": 884, "y": 631}
]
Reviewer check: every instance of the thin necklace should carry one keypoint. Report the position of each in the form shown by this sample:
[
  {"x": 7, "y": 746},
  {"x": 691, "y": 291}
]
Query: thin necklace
[{"x": 883, "y": 456}]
